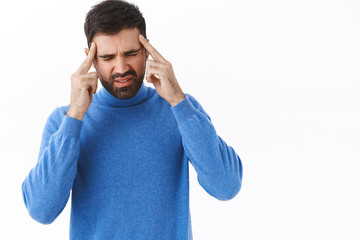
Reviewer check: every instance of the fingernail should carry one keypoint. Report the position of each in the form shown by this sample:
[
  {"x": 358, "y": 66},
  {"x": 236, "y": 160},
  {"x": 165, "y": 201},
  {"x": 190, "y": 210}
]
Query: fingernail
[{"x": 92, "y": 45}]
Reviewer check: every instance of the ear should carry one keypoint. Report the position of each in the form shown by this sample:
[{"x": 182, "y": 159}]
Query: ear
[{"x": 87, "y": 53}]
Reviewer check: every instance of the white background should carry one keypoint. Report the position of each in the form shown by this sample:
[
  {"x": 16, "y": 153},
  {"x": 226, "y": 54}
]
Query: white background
[{"x": 280, "y": 80}]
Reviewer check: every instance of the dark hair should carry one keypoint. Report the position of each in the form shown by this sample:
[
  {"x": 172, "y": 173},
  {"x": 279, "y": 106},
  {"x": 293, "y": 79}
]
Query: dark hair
[{"x": 111, "y": 16}]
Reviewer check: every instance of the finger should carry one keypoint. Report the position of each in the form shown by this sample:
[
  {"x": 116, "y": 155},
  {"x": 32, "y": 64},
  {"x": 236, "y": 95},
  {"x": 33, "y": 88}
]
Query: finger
[
  {"x": 154, "y": 69},
  {"x": 152, "y": 74},
  {"x": 153, "y": 52},
  {"x": 90, "y": 78},
  {"x": 95, "y": 87},
  {"x": 152, "y": 63},
  {"x": 90, "y": 85},
  {"x": 85, "y": 66},
  {"x": 152, "y": 79},
  {"x": 148, "y": 74},
  {"x": 93, "y": 75}
]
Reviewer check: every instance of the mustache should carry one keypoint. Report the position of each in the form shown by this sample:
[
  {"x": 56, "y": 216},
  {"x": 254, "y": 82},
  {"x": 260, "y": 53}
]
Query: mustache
[{"x": 119, "y": 75}]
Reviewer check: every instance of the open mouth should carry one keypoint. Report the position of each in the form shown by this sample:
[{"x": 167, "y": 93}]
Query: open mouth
[{"x": 123, "y": 82}]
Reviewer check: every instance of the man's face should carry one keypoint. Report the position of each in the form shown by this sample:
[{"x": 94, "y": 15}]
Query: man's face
[{"x": 120, "y": 62}]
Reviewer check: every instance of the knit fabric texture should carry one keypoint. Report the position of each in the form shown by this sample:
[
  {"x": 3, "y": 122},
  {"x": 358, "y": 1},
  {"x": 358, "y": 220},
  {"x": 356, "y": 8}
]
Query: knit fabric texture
[{"x": 126, "y": 165}]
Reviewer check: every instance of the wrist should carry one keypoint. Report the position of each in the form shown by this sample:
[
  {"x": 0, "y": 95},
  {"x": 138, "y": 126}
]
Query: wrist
[
  {"x": 75, "y": 114},
  {"x": 177, "y": 100}
]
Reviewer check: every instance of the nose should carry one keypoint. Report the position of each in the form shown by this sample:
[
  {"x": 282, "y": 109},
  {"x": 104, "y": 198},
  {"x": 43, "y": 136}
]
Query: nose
[{"x": 121, "y": 66}]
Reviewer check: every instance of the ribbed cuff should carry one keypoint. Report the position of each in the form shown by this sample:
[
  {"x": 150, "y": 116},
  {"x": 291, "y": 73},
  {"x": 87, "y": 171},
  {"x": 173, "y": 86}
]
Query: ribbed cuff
[{"x": 70, "y": 127}]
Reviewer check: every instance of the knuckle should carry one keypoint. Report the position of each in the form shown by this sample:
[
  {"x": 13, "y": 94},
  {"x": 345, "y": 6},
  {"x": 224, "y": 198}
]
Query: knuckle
[
  {"x": 84, "y": 85},
  {"x": 92, "y": 75},
  {"x": 73, "y": 76},
  {"x": 80, "y": 77}
]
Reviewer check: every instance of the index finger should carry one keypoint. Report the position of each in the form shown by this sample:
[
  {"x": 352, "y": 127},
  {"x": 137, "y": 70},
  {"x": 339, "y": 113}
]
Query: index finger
[
  {"x": 153, "y": 52},
  {"x": 85, "y": 66}
]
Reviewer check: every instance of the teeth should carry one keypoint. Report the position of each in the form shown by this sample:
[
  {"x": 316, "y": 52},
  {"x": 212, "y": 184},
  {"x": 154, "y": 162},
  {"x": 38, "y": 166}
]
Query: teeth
[{"x": 122, "y": 81}]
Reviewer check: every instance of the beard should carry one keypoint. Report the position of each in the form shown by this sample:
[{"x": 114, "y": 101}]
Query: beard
[{"x": 122, "y": 92}]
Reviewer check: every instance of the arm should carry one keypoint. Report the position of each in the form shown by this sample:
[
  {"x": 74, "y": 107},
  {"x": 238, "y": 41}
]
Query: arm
[
  {"x": 47, "y": 188},
  {"x": 218, "y": 167}
]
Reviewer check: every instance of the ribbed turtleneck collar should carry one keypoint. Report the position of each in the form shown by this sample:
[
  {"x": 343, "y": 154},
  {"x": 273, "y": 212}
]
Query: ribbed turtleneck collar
[{"x": 104, "y": 97}]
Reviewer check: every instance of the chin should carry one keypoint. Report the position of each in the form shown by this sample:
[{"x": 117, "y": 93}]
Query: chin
[{"x": 123, "y": 92}]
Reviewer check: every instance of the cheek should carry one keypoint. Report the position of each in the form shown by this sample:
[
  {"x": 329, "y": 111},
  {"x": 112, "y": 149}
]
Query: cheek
[
  {"x": 103, "y": 69},
  {"x": 139, "y": 65}
]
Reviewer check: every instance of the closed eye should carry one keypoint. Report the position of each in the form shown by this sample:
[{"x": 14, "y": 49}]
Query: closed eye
[
  {"x": 132, "y": 52},
  {"x": 129, "y": 55},
  {"x": 106, "y": 57}
]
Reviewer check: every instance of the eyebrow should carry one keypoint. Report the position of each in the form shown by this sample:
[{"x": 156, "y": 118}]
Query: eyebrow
[{"x": 125, "y": 53}]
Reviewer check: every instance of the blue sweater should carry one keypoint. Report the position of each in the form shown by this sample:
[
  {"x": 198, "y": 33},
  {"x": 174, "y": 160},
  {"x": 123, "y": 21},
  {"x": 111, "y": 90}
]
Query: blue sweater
[{"x": 127, "y": 165}]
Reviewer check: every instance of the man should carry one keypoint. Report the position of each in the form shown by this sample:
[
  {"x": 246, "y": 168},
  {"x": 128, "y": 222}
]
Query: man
[{"x": 124, "y": 150}]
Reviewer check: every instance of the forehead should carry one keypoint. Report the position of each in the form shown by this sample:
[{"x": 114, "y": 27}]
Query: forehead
[{"x": 125, "y": 40}]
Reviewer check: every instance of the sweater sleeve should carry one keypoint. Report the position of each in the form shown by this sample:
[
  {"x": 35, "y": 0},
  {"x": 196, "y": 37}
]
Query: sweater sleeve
[
  {"x": 219, "y": 168},
  {"x": 47, "y": 188}
]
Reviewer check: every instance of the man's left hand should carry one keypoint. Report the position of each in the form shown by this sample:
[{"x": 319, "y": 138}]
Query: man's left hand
[{"x": 159, "y": 72}]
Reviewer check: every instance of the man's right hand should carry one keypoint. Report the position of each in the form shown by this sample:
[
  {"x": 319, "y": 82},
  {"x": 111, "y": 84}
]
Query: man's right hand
[{"x": 83, "y": 86}]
